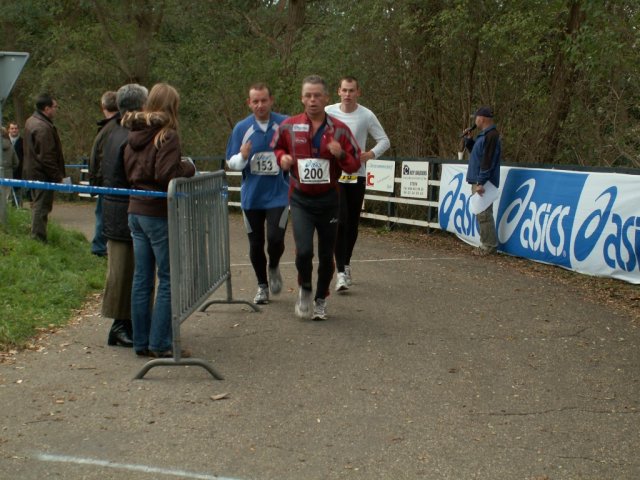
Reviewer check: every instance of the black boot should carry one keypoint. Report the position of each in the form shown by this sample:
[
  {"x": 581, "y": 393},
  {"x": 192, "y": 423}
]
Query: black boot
[{"x": 119, "y": 334}]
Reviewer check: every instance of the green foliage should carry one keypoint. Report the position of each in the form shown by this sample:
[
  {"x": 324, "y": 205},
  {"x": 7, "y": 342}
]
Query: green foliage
[
  {"x": 42, "y": 283},
  {"x": 562, "y": 76}
]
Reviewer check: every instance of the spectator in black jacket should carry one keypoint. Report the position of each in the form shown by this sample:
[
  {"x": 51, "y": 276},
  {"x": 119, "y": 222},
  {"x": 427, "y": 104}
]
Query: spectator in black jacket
[
  {"x": 116, "y": 302},
  {"x": 9, "y": 163},
  {"x": 16, "y": 141},
  {"x": 111, "y": 118}
]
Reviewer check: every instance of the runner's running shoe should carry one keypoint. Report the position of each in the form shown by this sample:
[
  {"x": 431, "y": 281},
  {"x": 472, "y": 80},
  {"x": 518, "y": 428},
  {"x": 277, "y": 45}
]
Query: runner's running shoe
[
  {"x": 275, "y": 281},
  {"x": 319, "y": 309},
  {"x": 341, "y": 282},
  {"x": 262, "y": 297},
  {"x": 303, "y": 305},
  {"x": 347, "y": 274}
]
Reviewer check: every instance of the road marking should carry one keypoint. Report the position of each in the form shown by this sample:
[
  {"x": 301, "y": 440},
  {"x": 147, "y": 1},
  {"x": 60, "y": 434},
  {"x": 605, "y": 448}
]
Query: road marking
[
  {"x": 370, "y": 261},
  {"x": 412, "y": 259},
  {"x": 47, "y": 457}
]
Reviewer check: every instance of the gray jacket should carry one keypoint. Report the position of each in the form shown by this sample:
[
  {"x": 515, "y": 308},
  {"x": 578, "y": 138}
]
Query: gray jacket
[{"x": 9, "y": 158}]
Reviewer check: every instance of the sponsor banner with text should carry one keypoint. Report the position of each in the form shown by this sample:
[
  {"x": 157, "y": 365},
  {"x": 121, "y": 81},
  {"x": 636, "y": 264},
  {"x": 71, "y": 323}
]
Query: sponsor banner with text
[
  {"x": 381, "y": 175},
  {"x": 415, "y": 180},
  {"x": 584, "y": 221}
]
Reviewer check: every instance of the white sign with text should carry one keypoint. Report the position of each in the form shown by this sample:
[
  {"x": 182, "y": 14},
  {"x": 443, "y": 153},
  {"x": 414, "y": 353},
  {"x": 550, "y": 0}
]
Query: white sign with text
[
  {"x": 381, "y": 175},
  {"x": 414, "y": 180}
]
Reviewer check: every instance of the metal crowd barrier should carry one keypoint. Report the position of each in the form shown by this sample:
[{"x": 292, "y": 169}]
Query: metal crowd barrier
[{"x": 199, "y": 255}]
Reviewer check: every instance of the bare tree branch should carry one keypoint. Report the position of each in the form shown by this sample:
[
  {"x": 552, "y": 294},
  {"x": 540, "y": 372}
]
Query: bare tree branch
[{"x": 98, "y": 8}]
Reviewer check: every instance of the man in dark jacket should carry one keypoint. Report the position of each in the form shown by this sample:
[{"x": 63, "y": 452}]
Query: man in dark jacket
[
  {"x": 484, "y": 168},
  {"x": 43, "y": 161},
  {"x": 8, "y": 162},
  {"x": 16, "y": 141},
  {"x": 116, "y": 302},
  {"x": 109, "y": 107}
]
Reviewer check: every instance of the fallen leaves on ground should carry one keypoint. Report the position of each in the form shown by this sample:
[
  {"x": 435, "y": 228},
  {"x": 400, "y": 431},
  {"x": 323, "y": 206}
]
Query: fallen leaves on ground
[{"x": 220, "y": 396}]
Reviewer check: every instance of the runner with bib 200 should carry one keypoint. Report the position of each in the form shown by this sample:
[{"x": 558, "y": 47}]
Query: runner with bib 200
[
  {"x": 264, "y": 191},
  {"x": 315, "y": 148}
]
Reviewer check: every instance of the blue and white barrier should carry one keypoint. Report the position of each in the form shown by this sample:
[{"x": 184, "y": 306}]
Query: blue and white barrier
[
  {"x": 70, "y": 188},
  {"x": 588, "y": 222}
]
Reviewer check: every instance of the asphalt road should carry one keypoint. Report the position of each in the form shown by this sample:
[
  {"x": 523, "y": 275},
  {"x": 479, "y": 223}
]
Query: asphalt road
[{"x": 435, "y": 365}]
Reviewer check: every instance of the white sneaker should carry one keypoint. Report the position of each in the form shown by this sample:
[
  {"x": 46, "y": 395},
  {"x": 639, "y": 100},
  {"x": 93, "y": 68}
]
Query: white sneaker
[
  {"x": 319, "y": 309},
  {"x": 262, "y": 297},
  {"x": 347, "y": 274},
  {"x": 341, "y": 282},
  {"x": 303, "y": 305},
  {"x": 275, "y": 281}
]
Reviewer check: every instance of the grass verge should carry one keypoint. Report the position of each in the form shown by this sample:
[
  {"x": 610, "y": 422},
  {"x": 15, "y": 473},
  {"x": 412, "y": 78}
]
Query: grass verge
[{"x": 42, "y": 284}]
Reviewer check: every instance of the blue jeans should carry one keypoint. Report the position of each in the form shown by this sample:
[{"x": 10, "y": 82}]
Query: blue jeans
[
  {"x": 99, "y": 242},
  {"x": 151, "y": 325}
]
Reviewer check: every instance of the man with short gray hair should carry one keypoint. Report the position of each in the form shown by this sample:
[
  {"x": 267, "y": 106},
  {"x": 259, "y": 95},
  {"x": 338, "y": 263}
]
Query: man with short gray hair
[
  {"x": 314, "y": 148},
  {"x": 116, "y": 302}
]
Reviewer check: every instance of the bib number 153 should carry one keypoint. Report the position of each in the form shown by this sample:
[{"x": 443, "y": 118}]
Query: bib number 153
[{"x": 264, "y": 163}]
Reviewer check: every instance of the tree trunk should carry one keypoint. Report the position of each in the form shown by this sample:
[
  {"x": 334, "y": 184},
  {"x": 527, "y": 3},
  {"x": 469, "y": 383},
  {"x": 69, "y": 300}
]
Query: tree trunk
[
  {"x": 295, "y": 21},
  {"x": 563, "y": 77},
  {"x": 145, "y": 18}
]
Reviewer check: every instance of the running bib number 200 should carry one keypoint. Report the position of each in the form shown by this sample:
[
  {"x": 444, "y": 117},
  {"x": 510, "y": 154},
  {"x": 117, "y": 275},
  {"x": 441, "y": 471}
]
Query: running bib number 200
[
  {"x": 264, "y": 163},
  {"x": 313, "y": 170}
]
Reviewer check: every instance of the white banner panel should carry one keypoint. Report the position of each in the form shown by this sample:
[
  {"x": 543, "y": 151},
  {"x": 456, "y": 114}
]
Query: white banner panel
[
  {"x": 381, "y": 175},
  {"x": 605, "y": 239},
  {"x": 414, "y": 180},
  {"x": 584, "y": 221}
]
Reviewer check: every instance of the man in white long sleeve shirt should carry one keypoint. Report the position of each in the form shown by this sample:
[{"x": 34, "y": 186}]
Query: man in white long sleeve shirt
[{"x": 363, "y": 123}]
